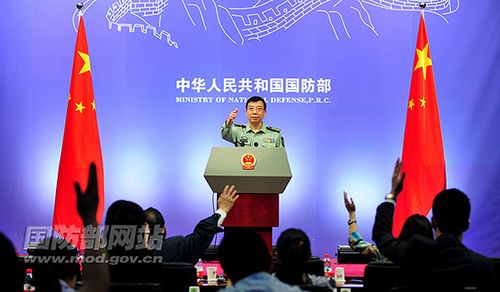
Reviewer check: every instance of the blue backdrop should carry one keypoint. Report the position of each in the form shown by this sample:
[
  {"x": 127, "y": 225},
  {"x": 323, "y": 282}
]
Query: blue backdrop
[{"x": 166, "y": 74}]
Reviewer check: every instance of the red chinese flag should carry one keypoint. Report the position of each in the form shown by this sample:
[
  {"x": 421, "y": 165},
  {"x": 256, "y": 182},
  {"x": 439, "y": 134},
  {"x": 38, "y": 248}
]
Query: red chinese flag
[
  {"x": 423, "y": 156},
  {"x": 80, "y": 146}
]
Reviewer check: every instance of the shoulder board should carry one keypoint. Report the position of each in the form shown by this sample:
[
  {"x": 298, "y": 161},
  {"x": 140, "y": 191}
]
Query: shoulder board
[
  {"x": 239, "y": 125},
  {"x": 273, "y": 129}
]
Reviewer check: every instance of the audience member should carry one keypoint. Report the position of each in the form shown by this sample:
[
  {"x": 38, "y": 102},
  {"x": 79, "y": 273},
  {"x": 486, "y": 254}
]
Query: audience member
[
  {"x": 190, "y": 248},
  {"x": 11, "y": 277},
  {"x": 246, "y": 261},
  {"x": 155, "y": 223},
  {"x": 95, "y": 275},
  {"x": 294, "y": 251},
  {"x": 54, "y": 274},
  {"x": 60, "y": 269},
  {"x": 356, "y": 241},
  {"x": 415, "y": 224},
  {"x": 131, "y": 260},
  {"x": 445, "y": 261}
]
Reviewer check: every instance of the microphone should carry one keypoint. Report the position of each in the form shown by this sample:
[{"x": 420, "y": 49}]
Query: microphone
[{"x": 255, "y": 144}]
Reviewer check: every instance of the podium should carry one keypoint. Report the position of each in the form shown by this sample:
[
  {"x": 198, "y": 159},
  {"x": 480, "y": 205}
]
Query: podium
[{"x": 259, "y": 176}]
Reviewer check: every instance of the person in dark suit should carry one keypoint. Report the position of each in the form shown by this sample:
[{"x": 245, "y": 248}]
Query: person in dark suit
[
  {"x": 55, "y": 261},
  {"x": 13, "y": 275},
  {"x": 191, "y": 247},
  {"x": 128, "y": 255},
  {"x": 445, "y": 261}
]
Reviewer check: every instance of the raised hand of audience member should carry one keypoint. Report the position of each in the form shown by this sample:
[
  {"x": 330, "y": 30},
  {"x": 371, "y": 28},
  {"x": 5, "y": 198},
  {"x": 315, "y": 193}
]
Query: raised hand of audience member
[
  {"x": 88, "y": 200},
  {"x": 397, "y": 181},
  {"x": 227, "y": 198},
  {"x": 349, "y": 205},
  {"x": 353, "y": 227},
  {"x": 95, "y": 275}
]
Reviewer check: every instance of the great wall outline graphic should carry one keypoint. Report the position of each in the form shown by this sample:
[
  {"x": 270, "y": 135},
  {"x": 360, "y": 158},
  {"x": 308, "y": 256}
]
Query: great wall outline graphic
[{"x": 258, "y": 20}]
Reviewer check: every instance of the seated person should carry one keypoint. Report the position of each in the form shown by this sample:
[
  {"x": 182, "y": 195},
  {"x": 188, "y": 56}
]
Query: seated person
[
  {"x": 246, "y": 261},
  {"x": 11, "y": 277},
  {"x": 57, "y": 275},
  {"x": 294, "y": 251},
  {"x": 190, "y": 248},
  {"x": 415, "y": 224},
  {"x": 131, "y": 261},
  {"x": 52, "y": 275},
  {"x": 447, "y": 262}
]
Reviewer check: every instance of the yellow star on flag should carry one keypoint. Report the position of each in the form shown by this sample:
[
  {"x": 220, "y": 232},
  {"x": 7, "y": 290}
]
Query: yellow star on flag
[
  {"x": 86, "y": 60},
  {"x": 423, "y": 61},
  {"x": 79, "y": 107},
  {"x": 93, "y": 104},
  {"x": 411, "y": 104},
  {"x": 422, "y": 101}
]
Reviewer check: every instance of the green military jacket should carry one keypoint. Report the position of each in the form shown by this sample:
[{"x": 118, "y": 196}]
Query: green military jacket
[{"x": 243, "y": 136}]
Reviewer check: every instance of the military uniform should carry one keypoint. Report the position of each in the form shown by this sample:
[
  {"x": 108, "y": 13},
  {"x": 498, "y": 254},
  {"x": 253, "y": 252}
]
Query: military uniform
[{"x": 243, "y": 136}]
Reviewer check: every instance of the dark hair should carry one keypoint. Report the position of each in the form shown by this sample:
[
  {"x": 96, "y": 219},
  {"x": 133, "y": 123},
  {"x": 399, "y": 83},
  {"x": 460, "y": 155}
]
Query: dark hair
[
  {"x": 155, "y": 219},
  {"x": 255, "y": 99},
  {"x": 294, "y": 250},
  {"x": 123, "y": 212},
  {"x": 451, "y": 211},
  {"x": 416, "y": 224},
  {"x": 11, "y": 277},
  {"x": 141, "y": 271},
  {"x": 243, "y": 253}
]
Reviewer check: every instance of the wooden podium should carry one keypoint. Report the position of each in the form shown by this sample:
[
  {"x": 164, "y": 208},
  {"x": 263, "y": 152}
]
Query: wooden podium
[{"x": 259, "y": 175}]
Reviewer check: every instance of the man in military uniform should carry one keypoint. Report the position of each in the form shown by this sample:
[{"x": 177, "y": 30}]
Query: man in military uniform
[{"x": 255, "y": 133}]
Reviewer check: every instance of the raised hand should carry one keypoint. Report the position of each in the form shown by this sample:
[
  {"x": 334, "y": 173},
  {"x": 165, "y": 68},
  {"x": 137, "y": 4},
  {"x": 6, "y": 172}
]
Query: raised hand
[
  {"x": 231, "y": 117},
  {"x": 349, "y": 205},
  {"x": 397, "y": 179},
  {"x": 227, "y": 198},
  {"x": 87, "y": 201}
]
